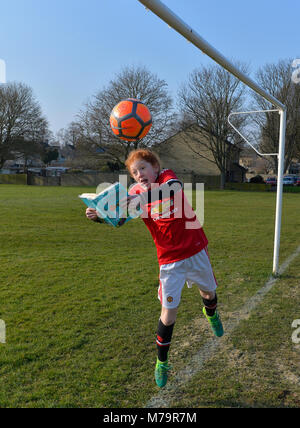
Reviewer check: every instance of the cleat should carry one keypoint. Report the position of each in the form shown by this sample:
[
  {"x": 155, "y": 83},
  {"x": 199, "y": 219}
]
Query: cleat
[
  {"x": 215, "y": 323},
  {"x": 161, "y": 373}
]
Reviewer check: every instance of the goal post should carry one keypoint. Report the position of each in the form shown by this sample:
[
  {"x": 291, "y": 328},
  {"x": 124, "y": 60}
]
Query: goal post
[{"x": 163, "y": 12}]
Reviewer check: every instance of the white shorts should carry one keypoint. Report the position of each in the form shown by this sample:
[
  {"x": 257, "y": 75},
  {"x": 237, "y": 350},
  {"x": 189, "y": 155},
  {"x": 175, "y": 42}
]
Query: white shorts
[{"x": 194, "y": 270}]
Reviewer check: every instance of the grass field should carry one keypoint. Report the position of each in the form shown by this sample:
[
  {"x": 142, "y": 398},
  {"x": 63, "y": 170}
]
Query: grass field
[{"x": 79, "y": 301}]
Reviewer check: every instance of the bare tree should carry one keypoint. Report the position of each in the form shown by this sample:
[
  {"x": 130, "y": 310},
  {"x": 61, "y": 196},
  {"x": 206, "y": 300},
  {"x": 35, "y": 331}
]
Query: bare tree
[
  {"x": 26, "y": 150},
  {"x": 21, "y": 122},
  {"x": 91, "y": 129},
  {"x": 207, "y": 99},
  {"x": 277, "y": 80}
]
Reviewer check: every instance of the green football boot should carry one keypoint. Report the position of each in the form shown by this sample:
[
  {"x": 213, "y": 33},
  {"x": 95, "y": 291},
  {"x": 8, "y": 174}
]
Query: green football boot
[
  {"x": 215, "y": 323},
  {"x": 161, "y": 373}
]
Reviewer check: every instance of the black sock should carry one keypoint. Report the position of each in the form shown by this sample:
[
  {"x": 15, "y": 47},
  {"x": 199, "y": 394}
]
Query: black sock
[
  {"x": 210, "y": 306},
  {"x": 163, "y": 340}
]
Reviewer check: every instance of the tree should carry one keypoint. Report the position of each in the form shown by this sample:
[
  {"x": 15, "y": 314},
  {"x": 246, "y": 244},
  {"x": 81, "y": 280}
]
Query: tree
[
  {"x": 26, "y": 150},
  {"x": 206, "y": 99},
  {"x": 276, "y": 79},
  {"x": 50, "y": 155},
  {"x": 21, "y": 121},
  {"x": 91, "y": 130}
]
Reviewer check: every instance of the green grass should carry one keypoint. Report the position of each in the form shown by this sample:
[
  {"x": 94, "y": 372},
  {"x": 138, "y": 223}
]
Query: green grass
[{"x": 79, "y": 301}]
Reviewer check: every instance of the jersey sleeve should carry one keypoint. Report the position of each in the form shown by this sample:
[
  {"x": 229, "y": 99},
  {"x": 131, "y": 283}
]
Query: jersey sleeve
[{"x": 167, "y": 175}]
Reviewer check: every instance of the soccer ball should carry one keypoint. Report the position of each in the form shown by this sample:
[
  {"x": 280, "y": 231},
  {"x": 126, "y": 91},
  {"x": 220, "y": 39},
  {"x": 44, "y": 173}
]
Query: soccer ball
[{"x": 130, "y": 120}]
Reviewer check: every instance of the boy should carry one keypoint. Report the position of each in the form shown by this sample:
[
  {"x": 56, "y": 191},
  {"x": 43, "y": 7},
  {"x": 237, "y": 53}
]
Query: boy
[{"x": 181, "y": 247}]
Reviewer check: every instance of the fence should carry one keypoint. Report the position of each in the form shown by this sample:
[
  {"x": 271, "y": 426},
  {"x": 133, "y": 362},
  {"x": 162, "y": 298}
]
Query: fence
[
  {"x": 13, "y": 178},
  {"x": 257, "y": 187},
  {"x": 93, "y": 180},
  {"x": 253, "y": 187}
]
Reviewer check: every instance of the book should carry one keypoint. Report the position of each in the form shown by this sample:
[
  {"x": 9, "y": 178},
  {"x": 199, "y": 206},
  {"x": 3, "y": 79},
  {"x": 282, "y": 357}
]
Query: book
[{"x": 107, "y": 204}]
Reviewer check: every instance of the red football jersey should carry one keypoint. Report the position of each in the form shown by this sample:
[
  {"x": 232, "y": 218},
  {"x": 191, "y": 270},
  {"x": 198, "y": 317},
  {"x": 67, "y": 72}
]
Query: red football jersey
[{"x": 173, "y": 224}]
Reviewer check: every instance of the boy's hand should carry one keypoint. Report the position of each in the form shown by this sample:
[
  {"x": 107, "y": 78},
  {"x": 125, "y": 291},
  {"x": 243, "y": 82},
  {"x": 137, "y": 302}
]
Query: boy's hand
[{"x": 91, "y": 214}]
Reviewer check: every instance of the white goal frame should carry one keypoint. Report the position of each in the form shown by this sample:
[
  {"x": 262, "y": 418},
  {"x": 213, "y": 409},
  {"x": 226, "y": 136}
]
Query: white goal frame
[
  {"x": 163, "y": 12},
  {"x": 243, "y": 137}
]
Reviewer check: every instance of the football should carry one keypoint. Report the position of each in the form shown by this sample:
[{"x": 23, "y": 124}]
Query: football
[{"x": 130, "y": 120}]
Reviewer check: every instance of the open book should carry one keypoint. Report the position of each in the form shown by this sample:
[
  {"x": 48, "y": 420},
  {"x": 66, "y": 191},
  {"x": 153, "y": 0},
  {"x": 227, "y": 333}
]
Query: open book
[{"x": 107, "y": 204}]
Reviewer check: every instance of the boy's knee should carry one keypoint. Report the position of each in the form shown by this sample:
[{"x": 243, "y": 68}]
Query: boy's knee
[
  {"x": 168, "y": 316},
  {"x": 168, "y": 321},
  {"x": 209, "y": 295}
]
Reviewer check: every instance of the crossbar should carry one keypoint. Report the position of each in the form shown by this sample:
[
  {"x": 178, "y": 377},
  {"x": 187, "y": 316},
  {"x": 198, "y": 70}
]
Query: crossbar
[{"x": 163, "y": 12}]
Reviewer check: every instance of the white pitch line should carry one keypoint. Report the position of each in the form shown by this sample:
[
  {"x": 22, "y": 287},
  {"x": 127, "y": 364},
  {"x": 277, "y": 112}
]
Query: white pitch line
[{"x": 168, "y": 394}]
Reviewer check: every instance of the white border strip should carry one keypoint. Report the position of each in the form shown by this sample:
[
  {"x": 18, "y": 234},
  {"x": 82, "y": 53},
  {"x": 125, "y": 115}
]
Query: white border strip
[{"x": 167, "y": 395}]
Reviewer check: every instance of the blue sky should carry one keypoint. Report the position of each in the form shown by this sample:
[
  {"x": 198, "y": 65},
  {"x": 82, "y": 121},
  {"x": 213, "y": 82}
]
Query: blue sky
[{"x": 67, "y": 50}]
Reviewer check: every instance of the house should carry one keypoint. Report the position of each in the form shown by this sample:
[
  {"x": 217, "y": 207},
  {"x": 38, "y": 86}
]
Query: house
[
  {"x": 19, "y": 166},
  {"x": 294, "y": 167},
  {"x": 255, "y": 164},
  {"x": 183, "y": 154},
  {"x": 26, "y": 159}
]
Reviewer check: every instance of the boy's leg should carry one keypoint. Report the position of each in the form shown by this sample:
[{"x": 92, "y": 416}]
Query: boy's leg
[
  {"x": 163, "y": 341},
  {"x": 168, "y": 316},
  {"x": 210, "y": 302},
  {"x": 164, "y": 332},
  {"x": 201, "y": 273},
  {"x": 172, "y": 280},
  {"x": 210, "y": 311}
]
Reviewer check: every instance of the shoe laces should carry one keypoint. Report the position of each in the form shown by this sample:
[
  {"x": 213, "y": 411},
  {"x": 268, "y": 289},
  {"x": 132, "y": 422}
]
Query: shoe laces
[{"x": 163, "y": 368}]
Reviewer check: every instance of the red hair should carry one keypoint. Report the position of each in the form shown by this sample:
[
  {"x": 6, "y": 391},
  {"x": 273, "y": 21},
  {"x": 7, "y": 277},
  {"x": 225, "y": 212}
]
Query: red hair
[{"x": 142, "y": 154}]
